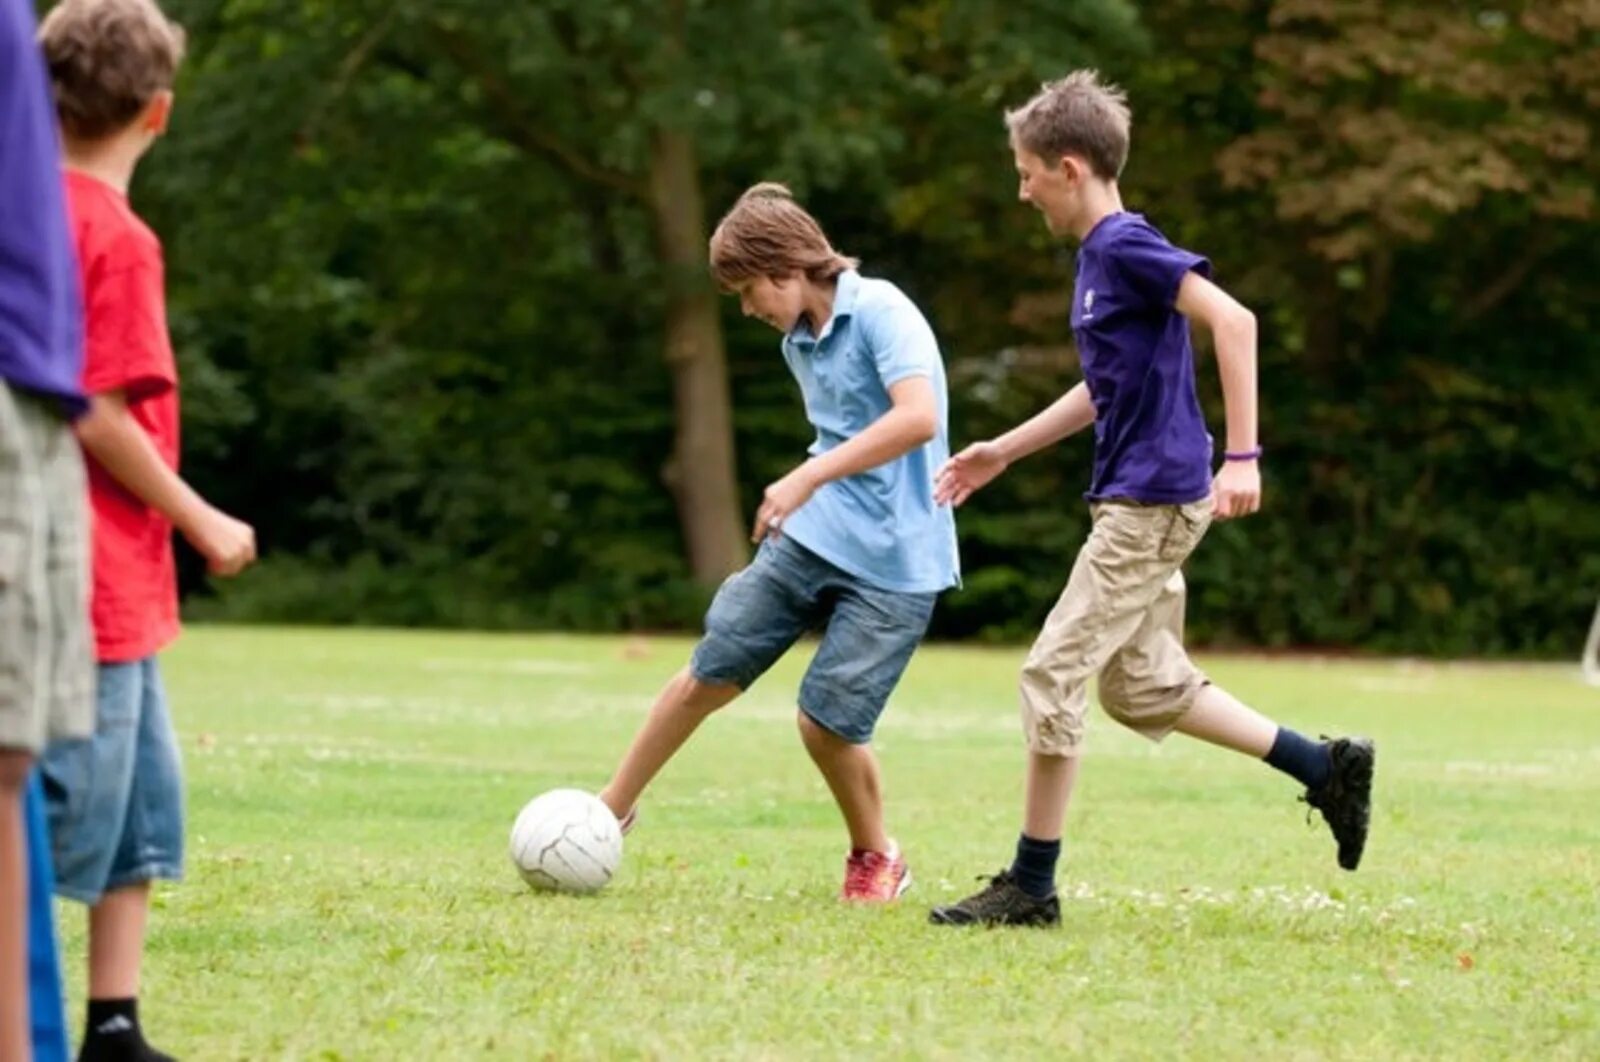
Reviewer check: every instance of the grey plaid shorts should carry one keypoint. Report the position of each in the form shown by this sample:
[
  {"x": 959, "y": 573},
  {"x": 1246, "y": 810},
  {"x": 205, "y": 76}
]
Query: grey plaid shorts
[{"x": 46, "y": 655}]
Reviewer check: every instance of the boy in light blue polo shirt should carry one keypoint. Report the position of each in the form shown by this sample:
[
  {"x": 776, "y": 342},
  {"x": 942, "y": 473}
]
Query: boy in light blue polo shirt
[{"x": 852, "y": 543}]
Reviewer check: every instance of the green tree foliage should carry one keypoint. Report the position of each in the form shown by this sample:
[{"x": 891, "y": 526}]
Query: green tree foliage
[
  {"x": 435, "y": 284},
  {"x": 1418, "y": 217}
]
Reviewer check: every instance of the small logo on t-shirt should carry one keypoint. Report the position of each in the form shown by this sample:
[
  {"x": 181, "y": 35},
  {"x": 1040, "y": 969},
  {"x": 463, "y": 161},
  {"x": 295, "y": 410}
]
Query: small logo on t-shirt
[{"x": 1088, "y": 304}]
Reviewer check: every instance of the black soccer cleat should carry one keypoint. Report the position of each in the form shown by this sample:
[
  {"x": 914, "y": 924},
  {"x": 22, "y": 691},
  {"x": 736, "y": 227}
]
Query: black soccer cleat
[
  {"x": 1345, "y": 799},
  {"x": 1000, "y": 903}
]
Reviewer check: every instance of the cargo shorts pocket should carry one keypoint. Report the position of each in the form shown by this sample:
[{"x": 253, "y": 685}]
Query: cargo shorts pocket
[{"x": 1185, "y": 528}]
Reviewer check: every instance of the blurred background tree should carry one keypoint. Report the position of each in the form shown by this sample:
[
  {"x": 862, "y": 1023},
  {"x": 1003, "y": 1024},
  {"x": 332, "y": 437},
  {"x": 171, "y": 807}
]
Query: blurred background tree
[{"x": 438, "y": 288}]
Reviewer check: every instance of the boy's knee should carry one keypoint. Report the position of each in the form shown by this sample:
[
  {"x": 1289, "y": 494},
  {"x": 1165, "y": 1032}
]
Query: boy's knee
[
  {"x": 1056, "y": 667},
  {"x": 1115, "y": 692},
  {"x": 824, "y": 743},
  {"x": 813, "y": 733},
  {"x": 698, "y": 695},
  {"x": 1121, "y": 707},
  {"x": 1151, "y": 709}
]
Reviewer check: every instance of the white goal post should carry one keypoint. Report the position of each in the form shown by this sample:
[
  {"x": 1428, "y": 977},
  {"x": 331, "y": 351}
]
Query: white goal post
[{"x": 1591, "y": 651}]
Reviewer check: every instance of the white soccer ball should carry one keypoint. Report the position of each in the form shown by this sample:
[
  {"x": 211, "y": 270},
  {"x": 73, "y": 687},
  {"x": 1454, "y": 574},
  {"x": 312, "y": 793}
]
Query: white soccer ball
[{"x": 566, "y": 840}]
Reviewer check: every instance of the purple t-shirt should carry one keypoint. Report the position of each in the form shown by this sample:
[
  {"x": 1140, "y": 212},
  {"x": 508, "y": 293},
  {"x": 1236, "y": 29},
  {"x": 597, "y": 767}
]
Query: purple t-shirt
[
  {"x": 1150, "y": 439},
  {"x": 41, "y": 315}
]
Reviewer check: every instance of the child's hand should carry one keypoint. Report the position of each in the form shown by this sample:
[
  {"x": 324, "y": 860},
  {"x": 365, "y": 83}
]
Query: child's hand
[
  {"x": 781, "y": 499},
  {"x": 228, "y": 545},
  {"x": 1237, "y": 490},
  {"x": 966, "y": 472}
]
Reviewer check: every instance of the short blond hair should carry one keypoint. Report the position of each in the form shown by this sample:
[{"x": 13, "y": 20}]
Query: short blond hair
[
  {"x": 108, "y": 59},
  {"x": 1077, "y": 115},
  {"x": 768, "y": 234}
]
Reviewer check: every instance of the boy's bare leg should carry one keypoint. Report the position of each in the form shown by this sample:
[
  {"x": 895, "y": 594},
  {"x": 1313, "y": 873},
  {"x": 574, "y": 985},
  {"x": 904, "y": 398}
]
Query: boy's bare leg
[
  {"x": 116, "y": 942},
  {"x": 1221, "y": 719},
  {"x": 679, "y": 710},
  {"x": 16, "y": 1021},
  {"x": 1049, "y": 788},
  {"x": 1337, "y": 773},
  {"x": 852, "y": 774}
]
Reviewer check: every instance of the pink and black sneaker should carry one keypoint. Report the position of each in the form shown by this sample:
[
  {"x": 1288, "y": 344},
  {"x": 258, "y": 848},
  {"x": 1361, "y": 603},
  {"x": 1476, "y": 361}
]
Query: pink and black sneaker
[{"x": 875, "y": 877}]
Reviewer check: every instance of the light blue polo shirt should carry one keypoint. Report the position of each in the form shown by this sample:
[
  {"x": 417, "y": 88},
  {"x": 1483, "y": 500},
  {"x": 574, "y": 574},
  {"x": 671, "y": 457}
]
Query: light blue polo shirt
[{"x": 881, "y": 525}]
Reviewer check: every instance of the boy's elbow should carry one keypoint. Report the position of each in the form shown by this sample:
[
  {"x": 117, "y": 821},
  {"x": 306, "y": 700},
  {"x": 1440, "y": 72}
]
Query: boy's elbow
[
  {"x": 923, "y": 427},
  {"x": 90, "y": 428},
  {"x": 105, "y": 418},
  {"x": 1239, "y": 326}
]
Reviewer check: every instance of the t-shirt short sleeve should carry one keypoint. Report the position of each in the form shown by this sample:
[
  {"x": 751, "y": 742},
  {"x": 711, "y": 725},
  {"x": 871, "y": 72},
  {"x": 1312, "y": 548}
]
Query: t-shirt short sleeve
[
  {"x": 40, "y": 314},
  {"x": 901, "y": 341},
  {"x": 1151, "y": 267},
  {"x": 127, "y": 348}
]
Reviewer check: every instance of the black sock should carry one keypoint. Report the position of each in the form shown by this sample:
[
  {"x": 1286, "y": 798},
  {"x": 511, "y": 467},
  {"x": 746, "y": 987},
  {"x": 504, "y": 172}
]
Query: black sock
[
  {"x": 1301, "y": 758},
  {"x": 1035, "y": 867},
  {"x": 112, "y": 1034}
]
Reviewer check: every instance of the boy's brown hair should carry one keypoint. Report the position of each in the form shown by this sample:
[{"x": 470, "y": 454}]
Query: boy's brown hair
[
  {"x": 768, "y": 234},
  {"x": 108, "y": 59},
  {"x": 1077, "y": 115}
]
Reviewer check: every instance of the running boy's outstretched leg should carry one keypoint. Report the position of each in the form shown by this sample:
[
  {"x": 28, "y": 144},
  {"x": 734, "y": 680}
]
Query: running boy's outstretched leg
[
  {"x": 1337, "y": 773},
  {"x": 755, "y": 618},
  {"x": 679, "y": 710},
  {"x": 1151, "y": 686}
]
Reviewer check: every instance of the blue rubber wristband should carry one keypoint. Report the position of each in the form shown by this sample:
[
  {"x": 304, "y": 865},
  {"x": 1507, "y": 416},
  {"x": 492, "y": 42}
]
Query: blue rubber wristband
[{"x": 1245, "y": 455}]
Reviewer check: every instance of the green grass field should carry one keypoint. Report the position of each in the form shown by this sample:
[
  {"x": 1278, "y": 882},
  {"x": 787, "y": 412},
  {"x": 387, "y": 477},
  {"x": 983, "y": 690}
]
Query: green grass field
[{"x": 350, "y": 896}]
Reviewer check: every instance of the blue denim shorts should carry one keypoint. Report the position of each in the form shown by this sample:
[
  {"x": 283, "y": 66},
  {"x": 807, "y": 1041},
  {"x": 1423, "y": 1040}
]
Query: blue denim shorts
[
  {"x": 115, "y": 800},
  {"x": 868, "y": 634}
]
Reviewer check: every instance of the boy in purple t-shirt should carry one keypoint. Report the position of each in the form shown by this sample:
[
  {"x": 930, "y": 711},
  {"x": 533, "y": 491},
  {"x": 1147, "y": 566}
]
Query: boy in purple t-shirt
[{"x": 1152, "y": 498}]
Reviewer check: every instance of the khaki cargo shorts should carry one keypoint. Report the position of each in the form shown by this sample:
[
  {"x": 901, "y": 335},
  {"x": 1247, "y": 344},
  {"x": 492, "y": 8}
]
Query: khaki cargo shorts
[
  {"x": 46, "y": 656},
  {"x": 1121, "y": 618}
]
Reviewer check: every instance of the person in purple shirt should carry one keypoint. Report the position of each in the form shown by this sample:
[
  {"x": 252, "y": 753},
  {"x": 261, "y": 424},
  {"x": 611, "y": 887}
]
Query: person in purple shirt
[
  {"x": 1152, "y": 496},
  {"x": 46, "y": 665}
]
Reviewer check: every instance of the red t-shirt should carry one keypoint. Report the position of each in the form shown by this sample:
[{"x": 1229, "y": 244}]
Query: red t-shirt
[{"x": 135, "y": 608}]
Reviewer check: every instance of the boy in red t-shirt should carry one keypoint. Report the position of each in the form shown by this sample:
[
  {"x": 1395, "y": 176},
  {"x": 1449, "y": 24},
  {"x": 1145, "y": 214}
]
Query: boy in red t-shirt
[{"x": 116, "y": 799}]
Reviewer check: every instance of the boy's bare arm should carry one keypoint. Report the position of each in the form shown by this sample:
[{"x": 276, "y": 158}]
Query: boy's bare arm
[
  {"x": 1067, "y": 415},
  {"x": 1237, "y": 491},
  {"x": 912, "y": 420},
  {"x": 112, "y": 437},
  {"x": 980, "y": 463}
]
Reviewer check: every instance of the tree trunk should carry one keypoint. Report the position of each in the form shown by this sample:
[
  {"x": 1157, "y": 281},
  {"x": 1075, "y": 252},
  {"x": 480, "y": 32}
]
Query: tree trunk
[
  {"x": 700, "y": 471},
  {"x": 1326, "y": 307}
]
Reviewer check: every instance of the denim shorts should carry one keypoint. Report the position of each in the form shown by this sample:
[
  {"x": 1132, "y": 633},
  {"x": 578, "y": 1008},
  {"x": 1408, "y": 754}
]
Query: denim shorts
[
  {"x": 115, "y": 800},
  {"x": 868, "y": 634}
]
